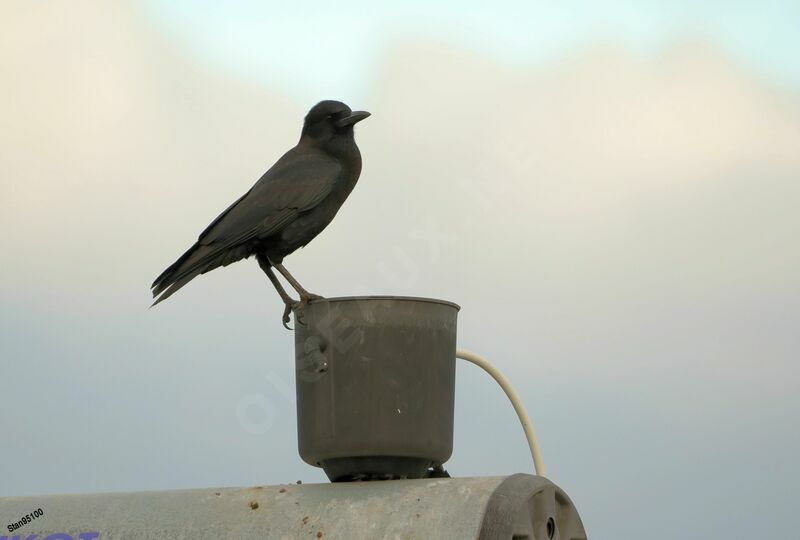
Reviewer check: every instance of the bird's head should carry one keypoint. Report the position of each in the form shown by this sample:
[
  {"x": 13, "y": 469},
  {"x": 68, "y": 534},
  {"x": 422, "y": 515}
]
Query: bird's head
[{"x": 329, "y": 123}]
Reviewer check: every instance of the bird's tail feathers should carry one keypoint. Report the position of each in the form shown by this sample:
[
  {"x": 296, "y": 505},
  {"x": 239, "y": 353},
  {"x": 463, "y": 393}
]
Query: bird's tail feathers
[
  {"x": 197, "y": 260},
  {"x": 194, "y": 262}
]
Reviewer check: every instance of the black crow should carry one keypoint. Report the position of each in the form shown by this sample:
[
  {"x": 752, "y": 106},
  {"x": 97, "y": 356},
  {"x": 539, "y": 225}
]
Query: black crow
[{"x": 290, "y": 205}]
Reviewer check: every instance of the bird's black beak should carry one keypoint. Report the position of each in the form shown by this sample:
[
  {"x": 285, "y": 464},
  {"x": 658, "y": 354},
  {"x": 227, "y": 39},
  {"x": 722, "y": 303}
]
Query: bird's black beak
[{"x": 355, "y": 116}]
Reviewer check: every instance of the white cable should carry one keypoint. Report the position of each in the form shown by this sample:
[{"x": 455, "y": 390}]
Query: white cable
[{"x": 527, "y": 425}]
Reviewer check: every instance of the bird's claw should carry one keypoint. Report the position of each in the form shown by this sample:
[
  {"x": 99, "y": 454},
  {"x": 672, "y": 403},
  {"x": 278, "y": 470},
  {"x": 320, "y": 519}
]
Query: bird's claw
[
  {"x": 298, "y": 308},
  {"x": 285, "y": 319},
  {"x": 299, "y": 311}
]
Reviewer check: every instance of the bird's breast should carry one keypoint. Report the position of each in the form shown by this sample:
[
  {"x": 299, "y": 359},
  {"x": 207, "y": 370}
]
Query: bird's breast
[{"x": 310, "y": 223}]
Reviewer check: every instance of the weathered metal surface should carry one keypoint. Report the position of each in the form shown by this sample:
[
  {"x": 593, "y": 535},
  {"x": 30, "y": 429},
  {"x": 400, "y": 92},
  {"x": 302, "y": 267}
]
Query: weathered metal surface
[
  {"x": 453, "y": 508},
  {"x": 533, "y": 508},
  {"x": 376, "y": 385}
]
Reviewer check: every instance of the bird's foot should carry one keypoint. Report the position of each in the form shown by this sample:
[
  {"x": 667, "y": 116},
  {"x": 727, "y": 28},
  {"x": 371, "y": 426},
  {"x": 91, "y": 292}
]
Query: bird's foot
[
  {"x": 290, "y": 303},
  {"x": 298, "y": 308}
]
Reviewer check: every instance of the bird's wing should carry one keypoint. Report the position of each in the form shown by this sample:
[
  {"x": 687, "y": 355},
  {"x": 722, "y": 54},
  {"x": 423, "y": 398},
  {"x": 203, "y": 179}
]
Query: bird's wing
[{"x": 297, "y": 182}]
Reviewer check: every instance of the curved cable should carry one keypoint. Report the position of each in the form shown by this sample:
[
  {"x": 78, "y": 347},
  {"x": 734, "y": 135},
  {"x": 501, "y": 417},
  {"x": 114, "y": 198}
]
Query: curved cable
[{"x": 527, "y": 425}]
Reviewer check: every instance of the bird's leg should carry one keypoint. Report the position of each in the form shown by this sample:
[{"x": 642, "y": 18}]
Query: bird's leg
[
  {"x": 288, "y": 301},
  {"x": 305, "y": 296}
]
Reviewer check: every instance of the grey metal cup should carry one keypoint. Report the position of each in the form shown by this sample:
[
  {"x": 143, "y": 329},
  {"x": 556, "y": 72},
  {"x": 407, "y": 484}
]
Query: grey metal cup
[{"x": 375, "y": 385}]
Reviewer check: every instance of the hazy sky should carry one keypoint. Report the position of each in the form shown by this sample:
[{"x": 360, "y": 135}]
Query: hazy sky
[
  {"x": 338, "y": 46},
  {"x": 612, "y": 203}
]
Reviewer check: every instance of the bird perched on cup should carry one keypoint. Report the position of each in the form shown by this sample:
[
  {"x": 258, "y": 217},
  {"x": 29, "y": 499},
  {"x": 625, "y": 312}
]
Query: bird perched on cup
[{"x": 287, "y": 208}]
